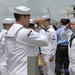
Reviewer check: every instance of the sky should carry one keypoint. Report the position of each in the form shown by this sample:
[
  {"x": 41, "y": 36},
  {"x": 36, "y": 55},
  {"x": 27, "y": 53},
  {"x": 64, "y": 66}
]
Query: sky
[{"x": 56, "y": 9}]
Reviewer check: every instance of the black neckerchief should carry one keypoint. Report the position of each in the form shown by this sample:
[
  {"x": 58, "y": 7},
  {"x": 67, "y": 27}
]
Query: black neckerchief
[
  {"x": 47, "y": 28},
  {"x": 71, "y": 39},
  {"x": 42, "y": 27}
]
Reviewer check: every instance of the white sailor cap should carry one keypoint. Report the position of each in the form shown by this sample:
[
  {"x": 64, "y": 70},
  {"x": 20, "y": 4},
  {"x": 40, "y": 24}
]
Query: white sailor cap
[
  {"x": 72, "y": 20},
  {"x": 31, "y": 21},
  {"x": 8, "y": 21},
  {"x": 45, "y": 17},
  {"x": 22, "y": 10}
]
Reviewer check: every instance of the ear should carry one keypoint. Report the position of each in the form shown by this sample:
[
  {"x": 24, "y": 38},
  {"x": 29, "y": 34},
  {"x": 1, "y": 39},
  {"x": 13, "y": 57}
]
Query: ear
[{"x": 22, "y": 17}]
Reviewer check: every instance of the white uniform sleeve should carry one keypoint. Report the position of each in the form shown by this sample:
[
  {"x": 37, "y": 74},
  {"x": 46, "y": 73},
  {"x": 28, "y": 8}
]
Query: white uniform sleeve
[
  {"x": 42, "y": 31},
  {"x": 53, "y": 42},
  {"x": 33, "y": 38},
  {"x": 65, "y": 35}
]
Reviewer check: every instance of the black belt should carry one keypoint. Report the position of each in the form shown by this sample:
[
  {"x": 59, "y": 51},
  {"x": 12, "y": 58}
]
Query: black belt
[{"x": 62, "y": 45}]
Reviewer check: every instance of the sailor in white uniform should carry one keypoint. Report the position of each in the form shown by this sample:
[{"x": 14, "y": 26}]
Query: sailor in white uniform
[
  {"x": 48, "y": 52},
  {"x": 7, "y": 23},
  {"x": 71, "y": 46},
  {"x": 22, "y": 42}
]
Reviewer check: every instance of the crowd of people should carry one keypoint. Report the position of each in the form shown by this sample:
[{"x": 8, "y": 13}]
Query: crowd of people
[{"x": 22, "y": 36}]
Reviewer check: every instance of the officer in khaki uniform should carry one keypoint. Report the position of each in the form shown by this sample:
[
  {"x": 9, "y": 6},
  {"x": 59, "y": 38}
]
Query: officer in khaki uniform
[
  {"x": 22, "y": 42},
  {"x": 7, "y": 23}
]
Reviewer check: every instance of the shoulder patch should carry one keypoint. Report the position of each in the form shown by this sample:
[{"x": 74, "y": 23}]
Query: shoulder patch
[{"x": 53, "y": 38}]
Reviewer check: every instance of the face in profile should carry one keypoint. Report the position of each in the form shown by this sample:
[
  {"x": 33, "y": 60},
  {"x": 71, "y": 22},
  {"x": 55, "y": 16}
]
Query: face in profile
[
  {"x": 73, "y": 26},
  {"x": 44, "y": 23},
  {"x": 26, "y": 20}
]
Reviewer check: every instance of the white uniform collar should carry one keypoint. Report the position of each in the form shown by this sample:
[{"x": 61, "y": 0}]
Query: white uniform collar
[
  {"x": 51, "y": 26},
  {"x": 3, "y": 31},
  {"x": 12, "y": 31}
]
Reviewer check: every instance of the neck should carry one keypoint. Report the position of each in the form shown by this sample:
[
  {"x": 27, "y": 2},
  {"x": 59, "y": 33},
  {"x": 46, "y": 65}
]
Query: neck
[
  {"x": 47, "y": 26},
  {"x": 6, "y": 28},
  {"x": 18, "y": 22}
]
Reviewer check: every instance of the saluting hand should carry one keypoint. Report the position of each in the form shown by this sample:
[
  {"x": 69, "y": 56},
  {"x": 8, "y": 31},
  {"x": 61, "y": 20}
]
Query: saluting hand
[{"x": 68, "y": 25}]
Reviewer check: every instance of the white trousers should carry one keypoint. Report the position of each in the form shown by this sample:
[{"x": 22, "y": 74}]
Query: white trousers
[
  {"x": 49, "y": 69},
  {"x": 3, "y": 70},
  {"x": 72, "y": 69}
]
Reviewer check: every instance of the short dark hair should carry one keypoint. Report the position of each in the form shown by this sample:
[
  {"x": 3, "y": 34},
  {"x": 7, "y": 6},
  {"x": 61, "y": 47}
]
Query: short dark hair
[
  {"x": 4, "y": 25},
  {"x": 68, "y": 20},
  {"x": 17, "y": 16},
  {"x": 64, "y": 21}
]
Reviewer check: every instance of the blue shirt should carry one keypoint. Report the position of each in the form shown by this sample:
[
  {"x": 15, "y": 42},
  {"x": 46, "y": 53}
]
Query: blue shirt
[{"x": 61, "y": 41}]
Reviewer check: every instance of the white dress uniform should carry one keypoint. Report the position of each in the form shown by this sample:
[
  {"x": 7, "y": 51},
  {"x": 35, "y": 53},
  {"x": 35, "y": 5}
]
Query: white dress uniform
[
  {"x": 71, "y": 53},
  {"x": 3, "y": 69},
  {"x": 49, "y": 51},
  {"x": 21, "y": 43}
]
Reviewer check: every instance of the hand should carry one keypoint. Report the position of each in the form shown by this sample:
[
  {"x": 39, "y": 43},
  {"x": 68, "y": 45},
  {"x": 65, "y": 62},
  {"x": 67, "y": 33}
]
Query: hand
[
  {"x": 68, "y": 25},
  {"x": 51, "y": 59}
]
